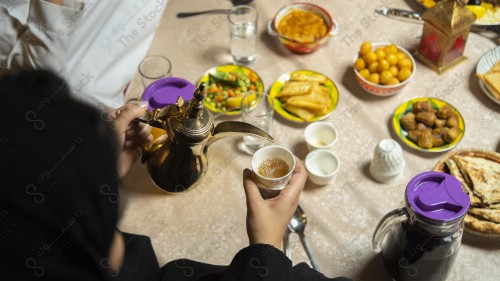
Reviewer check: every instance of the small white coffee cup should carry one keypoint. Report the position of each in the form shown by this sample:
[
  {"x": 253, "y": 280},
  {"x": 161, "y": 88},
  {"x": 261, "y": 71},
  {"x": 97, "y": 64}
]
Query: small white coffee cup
[
  {"x": 320, "y": 135},
  {"x": 273, "y": 185},
  {"x": 322, "y": 165}
]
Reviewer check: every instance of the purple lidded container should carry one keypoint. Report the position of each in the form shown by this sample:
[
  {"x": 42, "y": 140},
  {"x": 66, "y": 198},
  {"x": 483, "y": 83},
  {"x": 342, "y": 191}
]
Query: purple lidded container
[
  {"x": 423, "y": 237},
  {"x": 437, "y": 196},
  {"x": 165, "y": 92}
]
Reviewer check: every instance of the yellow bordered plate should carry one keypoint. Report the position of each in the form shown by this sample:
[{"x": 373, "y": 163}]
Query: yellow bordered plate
[
  {"x": 230, "y": 68},
  {"x": 436, "y": 104},
  {"x": 278, "y": 106}
]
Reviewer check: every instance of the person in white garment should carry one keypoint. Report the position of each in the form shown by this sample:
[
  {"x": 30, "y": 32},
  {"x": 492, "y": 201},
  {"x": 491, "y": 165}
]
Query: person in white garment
[{"x": 95, "y": 45}]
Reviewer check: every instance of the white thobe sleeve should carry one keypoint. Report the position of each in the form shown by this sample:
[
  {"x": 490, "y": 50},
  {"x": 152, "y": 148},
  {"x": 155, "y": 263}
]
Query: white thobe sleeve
[{"x": 40, "y": 40}]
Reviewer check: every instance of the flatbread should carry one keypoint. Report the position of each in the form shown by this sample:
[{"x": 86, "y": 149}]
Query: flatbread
[
  {"x": 455, "y": 171},
  {"x": 482, "y": 175},
  {"x": 482, "y": 226},
  {"x": 482, "y": 217},
  {"x": 491, "y": 215}
]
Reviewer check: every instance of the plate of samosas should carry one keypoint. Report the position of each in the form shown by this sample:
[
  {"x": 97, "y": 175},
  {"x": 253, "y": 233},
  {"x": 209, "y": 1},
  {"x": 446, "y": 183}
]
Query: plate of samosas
[
  {"x": 428, "y": 124},
  {"x": 488, "y": 72},
  {"x": 304, "y": 96},
  {"x": 479, "y": 172}
]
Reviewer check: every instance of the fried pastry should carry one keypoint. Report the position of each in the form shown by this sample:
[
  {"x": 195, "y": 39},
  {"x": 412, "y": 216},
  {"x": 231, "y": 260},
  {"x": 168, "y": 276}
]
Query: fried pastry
[
  {"x": 452, "y": 121},
  {"x": 425, "y": 139},
  {"x": 444, "y": 112},
  {"x": 427, "y": 118},
  {"x": 422, "y": 106},
  {"x": 408, "y": 121},
  {"x": 451, "y": 135},
  {"x": 298, "y": 76}
]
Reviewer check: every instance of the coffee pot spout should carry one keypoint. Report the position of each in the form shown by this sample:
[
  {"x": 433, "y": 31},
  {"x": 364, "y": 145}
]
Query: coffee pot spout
[{"x": 236, "y": 128}]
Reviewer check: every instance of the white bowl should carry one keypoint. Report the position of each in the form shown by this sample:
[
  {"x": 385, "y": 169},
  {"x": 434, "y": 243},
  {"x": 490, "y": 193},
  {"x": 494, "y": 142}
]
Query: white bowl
[
  {"x": 320, "y": 135},
  {"x": 322, "y": 165}
]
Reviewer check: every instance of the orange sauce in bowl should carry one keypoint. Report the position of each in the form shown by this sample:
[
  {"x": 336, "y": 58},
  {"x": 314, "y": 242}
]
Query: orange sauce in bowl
[{"x": 303, "y": 26}]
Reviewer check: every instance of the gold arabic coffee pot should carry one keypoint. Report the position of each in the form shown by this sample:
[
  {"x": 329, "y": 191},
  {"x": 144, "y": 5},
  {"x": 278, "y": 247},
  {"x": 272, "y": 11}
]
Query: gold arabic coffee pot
[{"x": 177, "y": 160}]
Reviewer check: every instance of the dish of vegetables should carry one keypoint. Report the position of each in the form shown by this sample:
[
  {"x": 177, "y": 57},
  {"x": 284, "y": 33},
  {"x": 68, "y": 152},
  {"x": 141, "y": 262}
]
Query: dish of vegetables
[{"x": 226, "y": 85}]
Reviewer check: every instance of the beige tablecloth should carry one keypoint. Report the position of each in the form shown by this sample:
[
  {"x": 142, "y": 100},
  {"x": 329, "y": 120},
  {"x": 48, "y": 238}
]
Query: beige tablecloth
[{"x": 208, "y": 224}]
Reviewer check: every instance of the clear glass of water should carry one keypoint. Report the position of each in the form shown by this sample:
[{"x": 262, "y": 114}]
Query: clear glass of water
[
  {"x": 257, "y": 109},
  {"x": 243, "y": 31}
]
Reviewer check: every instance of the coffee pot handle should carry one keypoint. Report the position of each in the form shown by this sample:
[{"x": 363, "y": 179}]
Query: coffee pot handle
[{"x": 384, "y": 226}]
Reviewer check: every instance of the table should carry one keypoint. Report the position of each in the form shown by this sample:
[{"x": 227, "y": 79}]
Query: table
[{"x": 208, "y": 224}]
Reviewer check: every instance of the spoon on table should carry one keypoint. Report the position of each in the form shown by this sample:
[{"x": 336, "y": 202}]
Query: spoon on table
[
  {"x": 286, "y": 244},
  {"x": 214, "y": 11},
  {"x": 298, "y": 224}
]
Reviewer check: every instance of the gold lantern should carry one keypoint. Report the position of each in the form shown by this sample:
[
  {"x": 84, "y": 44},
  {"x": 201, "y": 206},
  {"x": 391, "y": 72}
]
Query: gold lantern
[{"x": 445, "y": 33}]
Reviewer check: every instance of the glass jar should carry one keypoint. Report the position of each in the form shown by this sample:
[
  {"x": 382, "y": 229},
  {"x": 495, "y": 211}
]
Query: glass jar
[{"x": 421, "y": 240}]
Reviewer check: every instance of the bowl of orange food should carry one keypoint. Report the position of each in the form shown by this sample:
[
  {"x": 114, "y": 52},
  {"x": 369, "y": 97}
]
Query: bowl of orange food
[
  {"x": 302, "y": 27},
  {"x": 383, "y": 69}
]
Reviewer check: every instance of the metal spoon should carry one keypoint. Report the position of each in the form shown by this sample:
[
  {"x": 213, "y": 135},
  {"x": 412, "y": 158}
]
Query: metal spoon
[
  {"x": 286, "y": 244},
  {"x": 215, "y": 11},
  {"x": 298, "y": 224}
]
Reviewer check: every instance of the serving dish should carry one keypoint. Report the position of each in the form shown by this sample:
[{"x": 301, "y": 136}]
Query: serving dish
[
  {"x": 226, "y": 85},
  {"x": 277, "y": 87},
  {"x": 298, "y": 46},
  {"x": 484, "y": 64},
  {"x": 407, "y": 106},
  {"x": 441, "y": 166},
  {"x": 379, "y": 89}
]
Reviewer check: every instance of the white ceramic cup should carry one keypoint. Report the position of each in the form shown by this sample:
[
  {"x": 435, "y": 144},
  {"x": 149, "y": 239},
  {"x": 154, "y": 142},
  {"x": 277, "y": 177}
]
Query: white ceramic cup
[
  {"x": 322, "y": 165},
  {"x": 272, "y": 186},
  {"x": 320, "y": 135},
  {"x": 388, "y": 162}
]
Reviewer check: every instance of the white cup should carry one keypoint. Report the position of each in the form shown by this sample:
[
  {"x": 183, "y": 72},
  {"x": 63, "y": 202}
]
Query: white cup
[
  {"x": 320, "y": 135},
  {"x": 272, "y": 185},
  {"x": 243, "y": 31},
  {"x": 388, "y": 162},
  {"x": 322, "y": 165}
]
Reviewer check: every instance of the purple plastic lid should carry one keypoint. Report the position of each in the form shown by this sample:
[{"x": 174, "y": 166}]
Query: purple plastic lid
[
  {"x": 165, "y": 91},
  {"x": 437, "y": 196}
]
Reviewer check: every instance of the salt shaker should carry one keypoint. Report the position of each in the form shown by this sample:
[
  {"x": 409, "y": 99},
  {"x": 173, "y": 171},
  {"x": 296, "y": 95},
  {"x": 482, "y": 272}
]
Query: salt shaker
[{"x": 388, "y": 162}]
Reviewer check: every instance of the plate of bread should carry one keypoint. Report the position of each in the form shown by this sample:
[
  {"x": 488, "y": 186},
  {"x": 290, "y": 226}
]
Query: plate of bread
[
  {"x": 488, "y": 72},
  {"x": 479, "y": 172},
  {"x": 304, "y": 96}
]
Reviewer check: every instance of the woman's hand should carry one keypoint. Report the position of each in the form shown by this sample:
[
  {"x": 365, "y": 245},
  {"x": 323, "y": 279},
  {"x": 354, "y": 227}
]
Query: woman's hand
[
  {"x": 267, "y": 220},
  {"x": 131, "y": 134}
]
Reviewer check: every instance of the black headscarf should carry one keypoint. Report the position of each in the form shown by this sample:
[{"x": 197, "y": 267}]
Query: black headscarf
[{"x": 58, "y": 182}]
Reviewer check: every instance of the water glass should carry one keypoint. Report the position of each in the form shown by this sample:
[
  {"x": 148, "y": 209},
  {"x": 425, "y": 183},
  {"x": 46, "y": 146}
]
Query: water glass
[
  {"x": 257, "y": 109},
  {"x": 153, "y": 68},
  {"x": 243, "y": 32}
]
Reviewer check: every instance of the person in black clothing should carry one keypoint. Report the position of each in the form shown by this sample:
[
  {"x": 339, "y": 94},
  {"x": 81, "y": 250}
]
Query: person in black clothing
[{"x": 60, "y": 165}]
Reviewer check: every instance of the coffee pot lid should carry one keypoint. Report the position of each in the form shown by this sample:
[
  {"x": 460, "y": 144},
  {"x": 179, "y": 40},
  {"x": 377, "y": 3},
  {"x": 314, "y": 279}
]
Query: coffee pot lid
[{"x": 437, "y": 196}]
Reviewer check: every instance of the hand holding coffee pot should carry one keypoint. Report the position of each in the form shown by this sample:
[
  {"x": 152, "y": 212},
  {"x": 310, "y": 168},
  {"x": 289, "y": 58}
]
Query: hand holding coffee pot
[{"x": 177, "y": 160}]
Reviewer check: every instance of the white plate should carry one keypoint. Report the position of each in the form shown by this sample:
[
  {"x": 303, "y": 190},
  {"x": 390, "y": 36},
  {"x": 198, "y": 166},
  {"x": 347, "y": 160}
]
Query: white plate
[{"x": 486, "y": 63}]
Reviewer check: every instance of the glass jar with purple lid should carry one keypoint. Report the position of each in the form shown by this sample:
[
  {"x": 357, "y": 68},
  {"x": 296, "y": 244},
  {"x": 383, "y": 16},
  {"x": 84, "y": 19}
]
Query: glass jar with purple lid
[{"x": 421, "y": 240}]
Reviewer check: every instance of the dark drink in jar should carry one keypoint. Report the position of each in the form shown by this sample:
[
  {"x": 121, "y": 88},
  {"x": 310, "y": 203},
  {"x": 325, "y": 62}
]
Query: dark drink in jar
[{"x": 420, "y": 242}]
